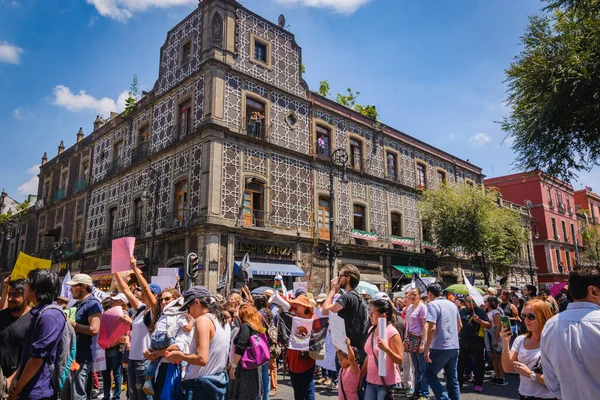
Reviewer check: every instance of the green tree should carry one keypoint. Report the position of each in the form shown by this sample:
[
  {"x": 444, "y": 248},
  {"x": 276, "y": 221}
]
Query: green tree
[
  {"x": 554, "y": 90},
  {"x": 467, "y": 221},
  {"x": 590, "y": 253},
  {"x": 133, "y": 96},
  {"x": 303, "y": 68},
  {"x": 324, "y": 89},
  {"x": 20, "y": 212}
]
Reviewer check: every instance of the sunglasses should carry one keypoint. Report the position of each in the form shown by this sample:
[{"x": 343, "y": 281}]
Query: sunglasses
[
  {"x": 166, "y": 298},
  {"x": 530, "y": 317}
]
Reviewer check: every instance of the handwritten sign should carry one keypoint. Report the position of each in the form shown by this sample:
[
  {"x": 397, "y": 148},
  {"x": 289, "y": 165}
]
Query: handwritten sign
[
  {"x": 27, "y": 263},
  {"x": 111, "y": 327},
  {"x": 338, "y": 332},
  {"x": 122, "y": 251},
  {"x": 381, "y": 368}
]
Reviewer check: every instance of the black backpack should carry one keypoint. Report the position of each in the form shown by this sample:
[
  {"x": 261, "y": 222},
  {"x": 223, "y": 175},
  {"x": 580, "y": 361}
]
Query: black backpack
[{"x": 358, "y": 331}]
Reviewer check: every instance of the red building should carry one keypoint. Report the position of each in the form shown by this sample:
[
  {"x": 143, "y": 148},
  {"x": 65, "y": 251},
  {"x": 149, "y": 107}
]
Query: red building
[
  {"x": 552, "y": 206},
  {"x": 585, "y": 199}
]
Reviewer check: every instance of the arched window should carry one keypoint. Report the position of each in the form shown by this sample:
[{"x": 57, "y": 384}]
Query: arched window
[
  {"x": 396, "y": 224},
  {"x": 254, "y": 214},
  {"x": 181, "y": 195}
]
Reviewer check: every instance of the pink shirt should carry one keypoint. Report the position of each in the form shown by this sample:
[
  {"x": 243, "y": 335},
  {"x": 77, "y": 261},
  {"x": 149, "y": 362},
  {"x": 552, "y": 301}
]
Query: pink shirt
[
  {"x": 349, "y": 382},
  {"x": 392, "y": 375}
]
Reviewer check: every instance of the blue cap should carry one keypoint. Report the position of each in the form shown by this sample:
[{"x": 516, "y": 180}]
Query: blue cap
[{"x": 154, "y": 288}]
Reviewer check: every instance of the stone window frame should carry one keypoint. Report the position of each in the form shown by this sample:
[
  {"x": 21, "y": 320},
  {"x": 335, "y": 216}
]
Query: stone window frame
[
  {"x": 64, "y": 183},
  {"x": 333, "y": 213},
  {"x": 419, "y": 161},
  {"x": 443, "y": 171},
  {"x": 78, "y": 218},
  {"x": 142, "y": 124},
  {"x": 177, "y": 111},
  {"x": 362, "y": 140},
  {"x": 47, "y": 184},
  {"x": 313, "y": 134},
  {"x": 109, "y": 207},
  {"x": 291, "y": 114},
  {"x": 267, "y": 195},
  {"x": 402, "y": 221},
  {"x": 395, "y": 152},
  {"x": 365, "y": 205},
  {"x": 80, "y": 169},
  {"x": 188, "y": 40},
  {"x": 247, "y": 94},
  {"x": 269, "y": 47}
]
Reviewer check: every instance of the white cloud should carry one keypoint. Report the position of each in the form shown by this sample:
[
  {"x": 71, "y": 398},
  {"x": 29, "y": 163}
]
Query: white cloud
[
  {"x": 31, "y": 186},
  {"x": 83, "y": 101},
  {"x": 479, "y": 139},
  {"x": 17, "y": 113},
  {"x": 341, "y": 6},
  {"x": 9, "y": 53},
  {"x": 122, "y": 10}
]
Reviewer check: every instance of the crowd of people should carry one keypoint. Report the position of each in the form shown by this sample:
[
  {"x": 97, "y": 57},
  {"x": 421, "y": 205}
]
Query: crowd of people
[{"x": 200, "y": 345}]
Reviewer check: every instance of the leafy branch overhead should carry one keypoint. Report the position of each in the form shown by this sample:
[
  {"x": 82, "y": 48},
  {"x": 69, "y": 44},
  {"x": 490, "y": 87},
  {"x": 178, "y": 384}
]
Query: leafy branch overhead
[
  {"x": 349, "y": 100},
  {"x": 554, "y": 90},
  {"x": 467, "y": 221}
]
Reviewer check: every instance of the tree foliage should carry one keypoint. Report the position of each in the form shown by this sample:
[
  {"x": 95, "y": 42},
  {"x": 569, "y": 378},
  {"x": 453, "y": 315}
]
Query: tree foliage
[
  {"x": 324, "y": 89},
  {"x": 466, "y": 221},
  {"x": 554, "y": 90},
  {"x": 20, "y": 212},
  {"x": 590, "y": 254},
  {"x": 133, "y": 96}
]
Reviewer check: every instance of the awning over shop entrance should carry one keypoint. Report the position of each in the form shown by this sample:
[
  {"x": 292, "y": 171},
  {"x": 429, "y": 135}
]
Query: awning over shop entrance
[
  {"x": 373, "y": 278},
  {"x": 409, "y": 271},
  {"x": 271, "y": 268}
]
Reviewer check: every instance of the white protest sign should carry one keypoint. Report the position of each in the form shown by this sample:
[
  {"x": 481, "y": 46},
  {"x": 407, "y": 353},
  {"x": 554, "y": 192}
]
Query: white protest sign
[
  {"x": 168, "y": 272},
  {"x": 338, "y": 332},
  {"x": 381, "y": 325},
  {"x": 474, "y": 293},
  {"x": 301, "y": 285},
  {"x": 164, "y": 281},
  {"x": 65, "y": 290}
]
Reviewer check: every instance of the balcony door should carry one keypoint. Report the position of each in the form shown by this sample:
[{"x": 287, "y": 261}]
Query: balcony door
[
  {"x": 253, "y": 204},
  {"x": 323, "y": 218}
]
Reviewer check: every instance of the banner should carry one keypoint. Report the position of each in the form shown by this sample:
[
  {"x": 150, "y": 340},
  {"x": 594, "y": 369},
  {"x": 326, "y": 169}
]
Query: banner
[
  {"x": 99, "y": 357},
  {"x": 27, "y": 263},
  {"x": 477, "y": 297},
  {"x": 300, "y": 333},
  {"x": 122, "y": 251},
  {"x": 338, "y": 332},
  {"x": 65, "y": 290},
  {"x": 111, "y": 327}
]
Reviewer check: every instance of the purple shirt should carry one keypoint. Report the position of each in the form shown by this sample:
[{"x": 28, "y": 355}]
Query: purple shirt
[
  {"x": 42, "y": 342},
  {"x": 415, "y": 324}
]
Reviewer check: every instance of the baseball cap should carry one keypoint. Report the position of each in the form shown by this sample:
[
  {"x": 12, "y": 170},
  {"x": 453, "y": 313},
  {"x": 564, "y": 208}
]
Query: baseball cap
[
  {"x": 381, "y": 296},
  {"x": 81, "y": 279},
  {"x": 278, "y": 277},
  {"x": 154, "y": 288},
  {"x": 492, "y": 290},
  {"x": 321, "y": 298},
  {"x": 300, "y": 291},
  {"x": 120, "y": 297},
  {"x": 192, "y": 294}
]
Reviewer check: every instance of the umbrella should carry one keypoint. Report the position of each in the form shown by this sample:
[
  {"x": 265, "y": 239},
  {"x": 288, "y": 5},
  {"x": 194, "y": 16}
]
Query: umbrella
[
  {"x": 461, "y": 289},
  {"x": 369, "y": 288},
  {"x": 557, "y": 288},
  {"x": 261, "y": 290}
]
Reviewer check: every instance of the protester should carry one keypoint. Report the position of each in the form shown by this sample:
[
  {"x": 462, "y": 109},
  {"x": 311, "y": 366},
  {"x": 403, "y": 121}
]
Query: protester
[
  {"x": 62, "y": 302},
  {"x": 494, "y": 344},
  {"x": 260, "y": 302},
  {"x": 414, "y": 342},
  {"x": 248, "y": 383},
  {"x": 530, "y": 292},
  {"x": 569, "y": 343},
  {"x": 472, "y": 344},
  {"x": 511, "y": 311},
  {"x": 14, "y": 324},
  {"x": 139, "y": 335},
  {"x": 441, "y": 347},
  {"x": 301, "y": 365},
  {"x": 350, "y": 306},
  {"x": 33, "y": 379},
  {"x": 205, "y": 376},
  {"x": 546, "y": 296},
  {"x": 525, "y": 355},
  {"x": 113, "y": 355},
  {"x": 349, "y": 375},
  {"x": 86, "y": 325}
]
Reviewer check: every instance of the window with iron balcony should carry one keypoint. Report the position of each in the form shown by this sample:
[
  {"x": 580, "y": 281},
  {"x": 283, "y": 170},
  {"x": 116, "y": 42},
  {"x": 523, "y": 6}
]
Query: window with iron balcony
[{"x": 255, "y": 116}]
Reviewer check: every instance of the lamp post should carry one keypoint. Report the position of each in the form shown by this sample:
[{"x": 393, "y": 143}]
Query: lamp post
[
  {"x": 154, "y": 176},
  {"x": 532, "y": 224},
  {"x": 338, "y": 159}
]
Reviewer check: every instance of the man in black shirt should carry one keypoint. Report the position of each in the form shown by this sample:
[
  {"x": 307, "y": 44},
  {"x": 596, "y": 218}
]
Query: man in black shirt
[
  {"x": 14, "y": 323},
  {"x": 472, "y": 343}
]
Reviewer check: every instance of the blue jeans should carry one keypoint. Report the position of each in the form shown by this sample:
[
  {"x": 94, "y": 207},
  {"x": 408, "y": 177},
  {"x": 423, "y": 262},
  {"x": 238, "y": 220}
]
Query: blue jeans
[
  {"x": 304, "y": 384},
  {"x": 136, "y": 375},
  {"x": 375, "y": 392},
  {"x": 266, "y": 377},
  {"x": 113, "y": 364},
  {"x": 418, "y": 362},
  {"x": 448, "y": 360},
  {"x": 159, "y": 341},
  {"x": 79, "y": 381}
]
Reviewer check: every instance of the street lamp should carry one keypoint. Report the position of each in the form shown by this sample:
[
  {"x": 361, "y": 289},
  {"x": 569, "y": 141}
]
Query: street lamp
[
  {"x": 339, "y": 159},
  {"x": 532, "y": 224},
  {"x": 154, "y": 176}
]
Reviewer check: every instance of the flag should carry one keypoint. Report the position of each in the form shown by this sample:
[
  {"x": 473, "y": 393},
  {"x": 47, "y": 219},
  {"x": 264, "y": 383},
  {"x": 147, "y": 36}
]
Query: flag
[
  {"x": 223, "y": 281},
  {"x": 300, "y": 333},
  {"x": 245, "y": 269},
  {"x": 65, "y": 289},
  {"x": 417, "y": 282},
  {"x": 477, "y": 297},
  {"x": 503, "y": 280},
  {"x": 322, "y": 291}
]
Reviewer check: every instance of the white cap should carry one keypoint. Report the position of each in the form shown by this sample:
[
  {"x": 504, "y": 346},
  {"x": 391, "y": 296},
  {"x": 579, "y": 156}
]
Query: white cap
[
  {"x": 120, "y": 297},
  {"x": 381, "y": 296}
]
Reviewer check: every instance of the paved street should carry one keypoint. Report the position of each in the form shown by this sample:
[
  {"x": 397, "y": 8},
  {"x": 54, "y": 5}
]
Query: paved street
[{"x": 490, "y": 392}]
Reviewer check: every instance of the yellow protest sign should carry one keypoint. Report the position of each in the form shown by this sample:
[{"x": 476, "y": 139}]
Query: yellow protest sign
[{"x": 27, "y": 263}]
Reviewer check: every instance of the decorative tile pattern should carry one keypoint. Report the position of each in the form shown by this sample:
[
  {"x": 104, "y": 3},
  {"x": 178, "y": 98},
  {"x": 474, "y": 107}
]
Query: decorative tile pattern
[
  {"x": 254, "y": 161},
  {"x": 290, "y": 185},
  {"x": 322, "y": 179},
  {"x": 163, "y": 168},
  {"x": 233, "y": 100},
  {"x": 411, "y": 216},
  {"x": 359, "y": 191},
  {"x": 378, "y": 211},
  {"x": 199, "y": 101},
  {"x": 181, "y": 164},
  {"x": 230, "y": 191},
  {"x": 343, "y": 206},
  {"x": 96, "y": 216},
  {"x": 285, "y": 72},
  {"x": 195, "y": 179},
  {"x": 163, "y": 119},
  {"x": 171, "y": 73},
  {"x": 294, "y": 138},
  {"x": 125, "y": 202},
  {"x": 102, "y": 156},
  {"x": 258, "y": 89}
]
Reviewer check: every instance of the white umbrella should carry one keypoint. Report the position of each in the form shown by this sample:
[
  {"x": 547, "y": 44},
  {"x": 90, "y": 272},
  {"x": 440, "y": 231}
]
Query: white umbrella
[{"x": 369, "y": 288}]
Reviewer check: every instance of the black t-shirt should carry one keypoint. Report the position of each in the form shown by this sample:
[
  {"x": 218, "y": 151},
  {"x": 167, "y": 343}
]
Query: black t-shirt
[
  {"x": 355, "y": 316},
  {"x": 12, "y": 337},
  {"x": 470, "y": 329}
]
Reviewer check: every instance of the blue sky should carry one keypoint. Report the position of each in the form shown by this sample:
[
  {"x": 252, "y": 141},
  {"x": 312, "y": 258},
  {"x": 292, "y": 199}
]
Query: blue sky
[{"x": 434, "y": 69}]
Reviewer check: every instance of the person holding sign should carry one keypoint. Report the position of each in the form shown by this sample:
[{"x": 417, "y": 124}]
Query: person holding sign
[{"x": 378, "y": 385}]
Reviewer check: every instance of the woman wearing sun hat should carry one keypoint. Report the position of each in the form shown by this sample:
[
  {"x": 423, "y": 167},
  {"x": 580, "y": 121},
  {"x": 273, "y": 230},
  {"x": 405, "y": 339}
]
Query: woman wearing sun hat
[{"x": 301, "y": 365}]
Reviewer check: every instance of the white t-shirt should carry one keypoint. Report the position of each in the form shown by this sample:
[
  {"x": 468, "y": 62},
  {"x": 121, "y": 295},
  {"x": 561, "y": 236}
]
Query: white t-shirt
[
  {"x": 140, "y": 336},
  {"x": 529, "y": 358}
]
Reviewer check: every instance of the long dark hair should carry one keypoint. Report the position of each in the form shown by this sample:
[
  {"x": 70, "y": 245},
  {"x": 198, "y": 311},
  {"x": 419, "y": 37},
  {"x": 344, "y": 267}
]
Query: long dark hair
[
  {"x": 214, "y": 308},
  {"x": 46, "y": 285}
]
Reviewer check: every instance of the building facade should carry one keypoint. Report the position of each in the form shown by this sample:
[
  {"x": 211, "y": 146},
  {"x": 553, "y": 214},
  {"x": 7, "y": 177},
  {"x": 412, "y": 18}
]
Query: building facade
[
  {"x": 229, "y": 155},
  {"x": 554, "y": 220}
]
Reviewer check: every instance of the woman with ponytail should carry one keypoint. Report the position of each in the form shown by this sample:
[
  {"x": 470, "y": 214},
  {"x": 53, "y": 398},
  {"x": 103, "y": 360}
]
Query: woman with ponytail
[
  {"x": 378, "y": 386},
  {"x": 205, "y": 373}
]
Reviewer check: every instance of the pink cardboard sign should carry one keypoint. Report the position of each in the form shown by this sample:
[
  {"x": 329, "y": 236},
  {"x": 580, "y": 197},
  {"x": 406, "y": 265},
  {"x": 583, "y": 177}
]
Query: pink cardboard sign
[
  {"x": 111, "y": 327},
  {"x": 122, "y": 251}
]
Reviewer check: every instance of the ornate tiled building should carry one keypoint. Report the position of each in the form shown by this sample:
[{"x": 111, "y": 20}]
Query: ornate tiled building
[{"x": 229, "y": 154}]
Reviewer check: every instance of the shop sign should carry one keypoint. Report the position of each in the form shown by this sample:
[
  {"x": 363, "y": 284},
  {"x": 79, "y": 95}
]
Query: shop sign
[{"x": 265, "y": 249}]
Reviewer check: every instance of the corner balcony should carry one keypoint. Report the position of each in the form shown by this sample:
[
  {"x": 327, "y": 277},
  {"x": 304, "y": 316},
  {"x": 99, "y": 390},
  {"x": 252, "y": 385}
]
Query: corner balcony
[
  {"x": 80, "y": 184},
  {"x": 60, "y": 194}
]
